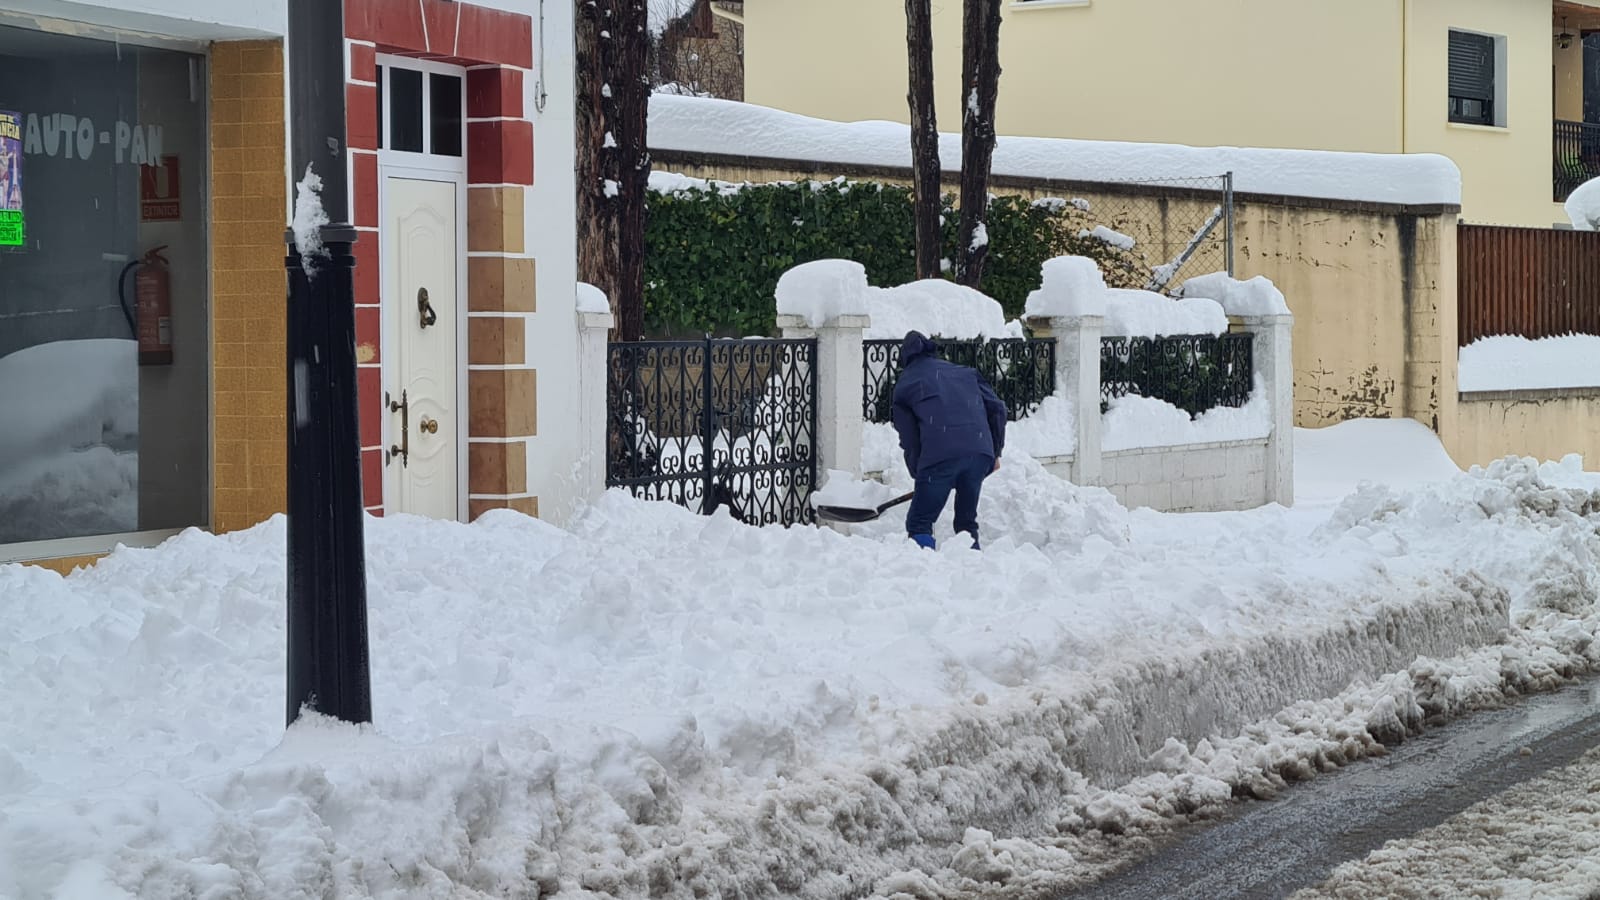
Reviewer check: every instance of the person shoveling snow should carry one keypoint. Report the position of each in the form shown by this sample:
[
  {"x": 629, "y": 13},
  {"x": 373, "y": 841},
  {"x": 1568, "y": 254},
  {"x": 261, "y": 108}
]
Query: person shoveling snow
[{"x": 952, "y": 428}]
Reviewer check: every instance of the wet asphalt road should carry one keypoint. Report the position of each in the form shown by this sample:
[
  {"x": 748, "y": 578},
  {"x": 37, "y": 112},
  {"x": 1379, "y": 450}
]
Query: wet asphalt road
[{"x": 1274, "y": 848}]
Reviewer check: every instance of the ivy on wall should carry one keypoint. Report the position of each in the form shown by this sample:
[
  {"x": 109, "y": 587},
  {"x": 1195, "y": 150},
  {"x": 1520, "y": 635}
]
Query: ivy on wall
[{"x": 713, "y": 255}]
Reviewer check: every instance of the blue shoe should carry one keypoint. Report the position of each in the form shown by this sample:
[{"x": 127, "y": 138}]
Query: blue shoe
[{"x": 925, "y": 541}]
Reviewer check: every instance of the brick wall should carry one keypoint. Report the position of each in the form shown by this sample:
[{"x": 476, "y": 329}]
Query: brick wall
[{"x": 247, "y": 295}]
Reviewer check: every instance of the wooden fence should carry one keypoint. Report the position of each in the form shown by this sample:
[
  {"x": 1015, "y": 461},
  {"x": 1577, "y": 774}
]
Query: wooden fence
[{"x": 1533, "y": 282}]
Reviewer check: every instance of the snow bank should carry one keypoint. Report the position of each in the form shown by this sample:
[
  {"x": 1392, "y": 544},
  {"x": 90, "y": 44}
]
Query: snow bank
[
  {"x": 1134, "y": 421},
  {"x": 1131, "y": 313},
  {"x": 845, "y": 490},
  {"x": 1331, "y": 463},
  {"x": 1069, "y": 286},
  {"x": 717, "y": 710},
  {"x": 939, "y": 309},
  {"x": 701, "y": 125},
  {"x": 1049, "y": 431},
  {"x": 824, "y": 290},
  {"x": 591, "y": 299},
  {"x": 1256, "y": 297},
  {"x": 1583, "y": 206},
  {"x": 1510, "y": 363}
]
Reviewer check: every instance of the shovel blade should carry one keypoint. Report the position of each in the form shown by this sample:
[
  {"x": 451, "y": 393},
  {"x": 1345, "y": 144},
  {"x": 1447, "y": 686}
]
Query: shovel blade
[{"x": 847, "y": 514}]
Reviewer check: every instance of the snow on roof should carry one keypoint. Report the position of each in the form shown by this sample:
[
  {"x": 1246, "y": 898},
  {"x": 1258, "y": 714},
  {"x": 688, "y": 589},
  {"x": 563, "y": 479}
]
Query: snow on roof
[{"x": 704, "y": 125}]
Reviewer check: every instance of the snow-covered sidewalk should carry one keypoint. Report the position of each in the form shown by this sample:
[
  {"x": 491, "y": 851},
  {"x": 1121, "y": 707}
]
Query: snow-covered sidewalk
[{"x": 658, "y": 703}]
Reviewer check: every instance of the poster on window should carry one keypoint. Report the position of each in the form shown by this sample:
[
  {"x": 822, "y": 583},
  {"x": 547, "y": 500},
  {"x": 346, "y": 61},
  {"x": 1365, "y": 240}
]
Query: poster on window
[
  {"x": 159, "y": 198},
  {"x": 10, "y": 179}
]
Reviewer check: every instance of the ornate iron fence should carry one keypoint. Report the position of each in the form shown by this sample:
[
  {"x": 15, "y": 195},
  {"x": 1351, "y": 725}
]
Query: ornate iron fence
[
  {"x": 713, "y": 423},
  {"x": 1577, "y": 156},
  {"x": 1022, "y": 371},
  {"x": 1192, "y": 372}
]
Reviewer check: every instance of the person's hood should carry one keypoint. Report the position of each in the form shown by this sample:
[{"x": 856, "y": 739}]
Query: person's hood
[{"x": 916, "y": 346}]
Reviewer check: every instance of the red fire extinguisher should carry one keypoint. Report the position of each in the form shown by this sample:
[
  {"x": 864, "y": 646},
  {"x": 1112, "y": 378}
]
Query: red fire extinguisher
[{"x": 151, "y": 316}]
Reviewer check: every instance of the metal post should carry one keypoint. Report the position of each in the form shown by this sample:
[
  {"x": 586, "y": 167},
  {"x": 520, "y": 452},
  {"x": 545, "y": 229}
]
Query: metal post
[
  {"x": 708, "y": 435},
  {"x": 327, "y": 586},
  {"x": 1227, "y": 201}
]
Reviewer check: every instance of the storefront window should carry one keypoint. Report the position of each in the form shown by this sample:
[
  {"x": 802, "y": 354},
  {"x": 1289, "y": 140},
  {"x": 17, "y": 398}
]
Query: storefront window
[{"x": 104, "y": 334}]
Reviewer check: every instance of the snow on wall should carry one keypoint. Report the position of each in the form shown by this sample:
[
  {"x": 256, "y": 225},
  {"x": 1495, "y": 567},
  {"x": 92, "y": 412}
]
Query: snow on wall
[
  {"x": 1511, "y": 363},
  {"x": 1132, "y": 313},
  {"x": 701, "y": 125}
]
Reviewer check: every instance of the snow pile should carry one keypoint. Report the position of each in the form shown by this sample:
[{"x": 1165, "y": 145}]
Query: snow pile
[
  {"x": 1133, "y": 421},
  {"x": 1510, "y": 363},
  {"x": 1255, "y": 297},
  {"x": 824, "y": 290},
  {"x": 309, "y": 217},
  {"x": 698, "y": 125},
  {"x": 939, "y": 309},
  {"x": 1569, "y": 473},
  {"x": 717, "y": 710},
  {"x": 1069, "y": 286},
  {"x": 74, "y": 469},
  {"x": 1331, "y": 463},
  {"x": 1583, "y": 206},
  {"x": 1049, "y": 431},
  {"x": 1131, "y": 313},
  {"x": 1108, "y": 236},
  {"x": 846, "y": 490},
  {"x": 591, "y": 299}
]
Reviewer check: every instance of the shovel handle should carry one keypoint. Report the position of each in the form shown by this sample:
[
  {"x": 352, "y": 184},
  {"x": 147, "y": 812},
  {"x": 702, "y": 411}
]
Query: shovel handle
[{"x": 896, "y": 501}]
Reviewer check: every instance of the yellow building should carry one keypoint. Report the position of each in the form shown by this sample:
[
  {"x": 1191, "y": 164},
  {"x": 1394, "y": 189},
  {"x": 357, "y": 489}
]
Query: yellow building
[{"x": 1502, "y": 87}]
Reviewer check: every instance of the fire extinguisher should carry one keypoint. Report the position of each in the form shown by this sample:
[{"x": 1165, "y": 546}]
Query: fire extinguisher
[{"x": 150, "y": 317}]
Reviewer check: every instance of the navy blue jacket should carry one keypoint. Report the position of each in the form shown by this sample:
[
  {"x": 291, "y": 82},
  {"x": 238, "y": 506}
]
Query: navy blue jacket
[{"x": 944, "y": 411}]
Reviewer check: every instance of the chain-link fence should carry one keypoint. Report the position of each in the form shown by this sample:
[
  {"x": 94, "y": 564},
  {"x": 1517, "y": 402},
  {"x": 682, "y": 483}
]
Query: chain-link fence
[{"x": 1167, "y": 229}]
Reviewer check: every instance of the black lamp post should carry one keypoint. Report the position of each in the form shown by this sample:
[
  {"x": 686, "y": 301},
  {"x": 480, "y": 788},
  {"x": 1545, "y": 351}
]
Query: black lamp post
[{"x": 328, "y": 670}]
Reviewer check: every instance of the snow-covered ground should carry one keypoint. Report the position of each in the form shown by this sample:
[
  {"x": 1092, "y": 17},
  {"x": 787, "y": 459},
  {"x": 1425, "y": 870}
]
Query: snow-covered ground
[
  {"x": 1510, "y": 363},
  {"x": 658, "y": 703}
]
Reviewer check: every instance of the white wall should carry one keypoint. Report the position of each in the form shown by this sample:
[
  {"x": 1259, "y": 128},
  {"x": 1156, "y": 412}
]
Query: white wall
[
  {"x": 188, "y": 19},
  {"x": 551, "y": 230}
]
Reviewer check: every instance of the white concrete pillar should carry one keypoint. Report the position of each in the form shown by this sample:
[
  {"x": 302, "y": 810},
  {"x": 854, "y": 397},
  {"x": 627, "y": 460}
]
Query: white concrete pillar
[
  {"x": 1078, "y": 381},
  {"x": 838, "y": 372},
  {"x": 1272, "y": 347},
  {"x": 590, "y": 475}
]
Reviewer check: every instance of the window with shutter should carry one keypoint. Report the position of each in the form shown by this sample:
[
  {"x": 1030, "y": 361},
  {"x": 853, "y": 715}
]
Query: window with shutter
[{"x": 1472, "y": 77}]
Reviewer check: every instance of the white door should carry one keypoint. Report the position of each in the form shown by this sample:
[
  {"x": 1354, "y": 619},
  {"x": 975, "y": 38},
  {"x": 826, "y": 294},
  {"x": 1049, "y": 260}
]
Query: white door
[{"x": 425, "y": 425}]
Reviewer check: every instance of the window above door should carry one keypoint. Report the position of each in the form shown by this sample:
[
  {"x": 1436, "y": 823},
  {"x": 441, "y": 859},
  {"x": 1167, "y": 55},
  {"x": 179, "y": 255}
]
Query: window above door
[{"x": 421, "y": 108}]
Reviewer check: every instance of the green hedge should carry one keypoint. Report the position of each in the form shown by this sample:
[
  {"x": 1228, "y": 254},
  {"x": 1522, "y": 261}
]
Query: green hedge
[{"x": 713, "y": 258}]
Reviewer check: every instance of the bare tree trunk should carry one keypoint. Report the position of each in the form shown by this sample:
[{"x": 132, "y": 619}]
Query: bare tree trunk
[
  {"x": 927, "y": 204},
  {"x": 980, "y": 81},
  {"x": 613, "y": 159},
  {"x": 631, "y": 89},
  {"x": 597, "y": 233}
]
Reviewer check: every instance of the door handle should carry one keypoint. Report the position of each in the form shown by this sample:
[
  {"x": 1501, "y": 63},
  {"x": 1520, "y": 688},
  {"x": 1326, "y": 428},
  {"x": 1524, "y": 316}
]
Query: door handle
[
  {"x": 402, "y": 449},
  {"x": 425, "y": 314}
]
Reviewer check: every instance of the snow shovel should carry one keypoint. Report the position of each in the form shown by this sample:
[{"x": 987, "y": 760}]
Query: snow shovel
[{"x": 853, "y": 514}]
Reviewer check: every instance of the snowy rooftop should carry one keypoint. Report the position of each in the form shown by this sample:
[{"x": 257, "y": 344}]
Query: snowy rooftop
[{"x": 704, "y": 125}]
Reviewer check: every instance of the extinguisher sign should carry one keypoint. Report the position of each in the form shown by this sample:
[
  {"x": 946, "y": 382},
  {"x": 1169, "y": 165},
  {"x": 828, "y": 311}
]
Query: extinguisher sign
[
  {"x": 11, "y": 230},
  {"x": 159, "y": 199}
]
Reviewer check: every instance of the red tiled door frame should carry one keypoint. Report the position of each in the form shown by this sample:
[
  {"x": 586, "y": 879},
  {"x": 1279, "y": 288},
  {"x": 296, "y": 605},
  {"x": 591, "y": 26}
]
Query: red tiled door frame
[{"x": 494, "y": 46}]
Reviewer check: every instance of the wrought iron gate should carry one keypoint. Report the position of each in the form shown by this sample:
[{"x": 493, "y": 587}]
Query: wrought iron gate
[{"x": 715, "y": 423}]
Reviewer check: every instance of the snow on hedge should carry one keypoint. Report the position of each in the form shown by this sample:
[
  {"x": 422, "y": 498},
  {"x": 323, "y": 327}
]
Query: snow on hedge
[
  {"x": 1510, "y": 363},
  {"x": 939, "y": 309},
  {"x": 700, "y": 125},
  {"x": 657, "y": 697}
]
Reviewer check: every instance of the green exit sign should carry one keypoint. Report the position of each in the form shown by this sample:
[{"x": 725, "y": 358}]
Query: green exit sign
[{"x": 11, "y": 232}]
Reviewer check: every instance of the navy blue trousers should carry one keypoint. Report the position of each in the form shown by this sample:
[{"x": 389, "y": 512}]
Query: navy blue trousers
[{"x": 965, "y": 476}]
